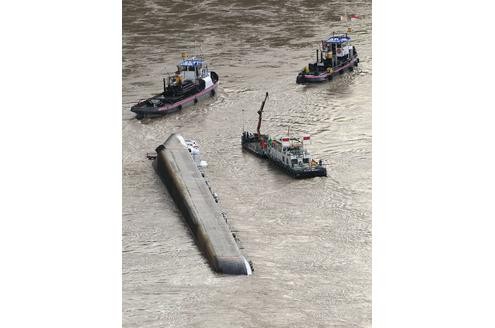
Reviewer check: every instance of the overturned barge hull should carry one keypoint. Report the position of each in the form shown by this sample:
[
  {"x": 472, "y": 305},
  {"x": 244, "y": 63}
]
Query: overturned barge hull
[{"x": 186, "y": 184}]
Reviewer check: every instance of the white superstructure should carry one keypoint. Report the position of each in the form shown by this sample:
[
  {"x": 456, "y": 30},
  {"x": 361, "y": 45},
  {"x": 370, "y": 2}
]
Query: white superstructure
[{"x": 290, "y": 151}]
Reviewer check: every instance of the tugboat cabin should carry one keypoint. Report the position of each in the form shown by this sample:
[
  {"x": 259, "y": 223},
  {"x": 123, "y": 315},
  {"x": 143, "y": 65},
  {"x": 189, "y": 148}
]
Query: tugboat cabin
[
  {"x": 192, "y": 69},
  {"x": 192, "y": 74},
  {"x": 335, "y": 51}
]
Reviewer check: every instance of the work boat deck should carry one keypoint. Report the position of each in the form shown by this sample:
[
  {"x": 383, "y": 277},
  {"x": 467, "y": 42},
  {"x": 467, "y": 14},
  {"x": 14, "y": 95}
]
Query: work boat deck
[
  {"x": 335, "y": 57},
  {"x": 192, "y": 82}
]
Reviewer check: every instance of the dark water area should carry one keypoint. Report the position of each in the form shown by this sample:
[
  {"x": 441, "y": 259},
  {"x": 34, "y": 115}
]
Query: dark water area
[{"x": 309, "y": 240}]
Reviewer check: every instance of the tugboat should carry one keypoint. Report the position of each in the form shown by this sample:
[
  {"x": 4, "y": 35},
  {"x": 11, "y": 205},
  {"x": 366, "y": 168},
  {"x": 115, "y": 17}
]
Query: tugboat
[
  {"x": 335, "y": 57},
  {"x": 286, "y": 152},
  {"x": 191, "y": 82}
]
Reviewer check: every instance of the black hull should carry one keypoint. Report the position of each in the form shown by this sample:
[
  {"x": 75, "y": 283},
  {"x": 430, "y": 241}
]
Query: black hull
[
  {"x": 173, "y": 100},
  {"x": 324, "y": 76},
  {"x": 253, "y": 147}
]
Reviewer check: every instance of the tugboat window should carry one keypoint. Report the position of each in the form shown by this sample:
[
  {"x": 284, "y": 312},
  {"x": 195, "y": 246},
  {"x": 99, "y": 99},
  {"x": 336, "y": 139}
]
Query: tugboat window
[
  {"x": 294, "y": 161},
  {"x": 305, "y": 160}
]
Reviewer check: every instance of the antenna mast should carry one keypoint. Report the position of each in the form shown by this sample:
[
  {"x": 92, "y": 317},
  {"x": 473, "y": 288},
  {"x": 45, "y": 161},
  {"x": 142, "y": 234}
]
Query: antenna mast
[{"x": 242, "y": 118}]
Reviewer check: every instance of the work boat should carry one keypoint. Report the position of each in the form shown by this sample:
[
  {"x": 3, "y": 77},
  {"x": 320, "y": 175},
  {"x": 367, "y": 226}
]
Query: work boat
[
  {"x": 191, "y": 82},
  {"x": 335, "y": 57},
  {"x": 286, "y": 152}
]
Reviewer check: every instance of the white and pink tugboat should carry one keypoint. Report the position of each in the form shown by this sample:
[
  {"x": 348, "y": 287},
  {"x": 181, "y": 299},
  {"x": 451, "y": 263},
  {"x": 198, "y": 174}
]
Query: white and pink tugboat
[
  {"x": 336, "y": 56},
  {"x": 191, "y": 82}
]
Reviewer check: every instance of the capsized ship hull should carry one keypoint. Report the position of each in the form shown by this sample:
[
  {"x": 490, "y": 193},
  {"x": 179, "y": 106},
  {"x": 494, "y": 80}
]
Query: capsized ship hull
[{"x": 175, "y": 164}]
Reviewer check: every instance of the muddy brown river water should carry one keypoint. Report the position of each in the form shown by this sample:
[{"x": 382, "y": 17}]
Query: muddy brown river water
[{"x": 309, "y": 240}]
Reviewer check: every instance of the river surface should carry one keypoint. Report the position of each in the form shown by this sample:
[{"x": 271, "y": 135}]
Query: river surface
[{"x": 309, "y": 240}]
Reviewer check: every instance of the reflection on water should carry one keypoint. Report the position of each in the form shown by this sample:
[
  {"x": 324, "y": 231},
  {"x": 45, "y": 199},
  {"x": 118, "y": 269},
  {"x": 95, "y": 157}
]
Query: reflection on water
[{"x": 310, "y": 240}]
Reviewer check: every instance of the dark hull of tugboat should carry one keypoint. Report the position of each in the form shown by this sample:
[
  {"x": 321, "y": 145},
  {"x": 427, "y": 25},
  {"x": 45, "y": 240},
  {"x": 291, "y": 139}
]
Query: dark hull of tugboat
[
  {"x": 254, "y": 148},
  {"x": 172, "y": 104},
  {"x": 325, "y": 76}
]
